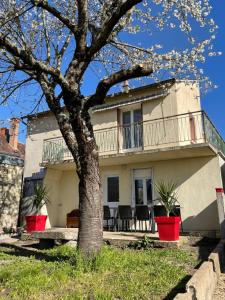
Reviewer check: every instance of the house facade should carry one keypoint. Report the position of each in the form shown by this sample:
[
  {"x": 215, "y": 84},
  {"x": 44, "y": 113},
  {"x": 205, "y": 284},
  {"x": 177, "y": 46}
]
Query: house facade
[
  {"x": 145, "y": 135},
  {"x": 11, "y": 171}
]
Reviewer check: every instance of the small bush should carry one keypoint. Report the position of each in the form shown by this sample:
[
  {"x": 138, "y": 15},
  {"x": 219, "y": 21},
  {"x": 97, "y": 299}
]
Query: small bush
[{"x": 144, "y": 243}]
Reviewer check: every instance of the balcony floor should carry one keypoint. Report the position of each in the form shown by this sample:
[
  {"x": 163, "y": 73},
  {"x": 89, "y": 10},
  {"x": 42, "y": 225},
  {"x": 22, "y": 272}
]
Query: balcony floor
[{"x": 160, "y": 154}]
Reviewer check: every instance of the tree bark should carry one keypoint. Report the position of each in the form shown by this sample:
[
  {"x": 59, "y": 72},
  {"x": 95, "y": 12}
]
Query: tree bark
[
  {"x": 85, "y": 152},
  {"x": 90, "y": 234}
]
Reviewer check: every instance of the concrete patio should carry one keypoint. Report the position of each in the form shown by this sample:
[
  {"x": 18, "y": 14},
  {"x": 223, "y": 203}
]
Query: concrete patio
[{"x": 113, "y": 238}]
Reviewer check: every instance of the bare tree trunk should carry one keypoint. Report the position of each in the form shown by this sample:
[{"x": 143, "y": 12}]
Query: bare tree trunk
[
  {"x": 90, "y": 202},
  {"x": 85, "y": 153}
]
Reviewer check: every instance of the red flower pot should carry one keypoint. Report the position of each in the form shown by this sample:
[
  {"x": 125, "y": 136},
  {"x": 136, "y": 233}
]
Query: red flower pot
[
  {"x": 168, "y": 228},
  {"x": 36, "y": 223}
]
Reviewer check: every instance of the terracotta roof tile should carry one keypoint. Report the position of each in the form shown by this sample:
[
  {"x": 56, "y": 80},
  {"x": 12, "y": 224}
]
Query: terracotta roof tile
[{"x": 6, "y": 148}]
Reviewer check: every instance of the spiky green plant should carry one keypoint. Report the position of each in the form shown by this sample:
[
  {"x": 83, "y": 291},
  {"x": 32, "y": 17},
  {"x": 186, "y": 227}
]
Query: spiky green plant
[
  {"x": 40, "y": 197},
  {"x": 167, "y": 195}
]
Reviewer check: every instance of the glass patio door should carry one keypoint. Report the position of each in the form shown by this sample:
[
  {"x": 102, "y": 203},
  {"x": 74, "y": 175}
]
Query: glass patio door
[
  {"x": 132, "y": 129},
  {"x": 142, "y": 187},
  {"x": 143, "y": 191}
]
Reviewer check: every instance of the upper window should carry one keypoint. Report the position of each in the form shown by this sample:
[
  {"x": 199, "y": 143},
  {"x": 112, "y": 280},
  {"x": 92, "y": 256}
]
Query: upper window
[{"x": 132, "y": 129}]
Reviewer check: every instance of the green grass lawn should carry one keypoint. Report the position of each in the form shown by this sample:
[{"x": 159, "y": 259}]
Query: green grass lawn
[{"x": 61, "y": 273}]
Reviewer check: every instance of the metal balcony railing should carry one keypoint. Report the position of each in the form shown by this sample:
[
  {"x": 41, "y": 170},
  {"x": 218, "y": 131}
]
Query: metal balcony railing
[
  {"x": 179, "y": 130},
  {"x": 212, "y": 135}
]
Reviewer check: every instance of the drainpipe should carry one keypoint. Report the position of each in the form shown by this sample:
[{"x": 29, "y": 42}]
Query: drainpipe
[{"x": 220, "y": 207}]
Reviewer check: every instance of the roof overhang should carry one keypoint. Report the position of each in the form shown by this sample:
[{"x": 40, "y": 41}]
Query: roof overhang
[{"x": 135, "y": 100}]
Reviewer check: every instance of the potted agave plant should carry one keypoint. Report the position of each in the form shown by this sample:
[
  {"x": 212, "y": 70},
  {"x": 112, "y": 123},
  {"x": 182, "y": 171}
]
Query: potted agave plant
[
  {"x": 37, "y": 221},
  {"x": 168, "y": 226}
]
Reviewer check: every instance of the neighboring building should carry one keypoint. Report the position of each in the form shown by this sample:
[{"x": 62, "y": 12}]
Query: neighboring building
[
  {"x": 144, "y": 135},
  {"x": 11, "y": 170}
]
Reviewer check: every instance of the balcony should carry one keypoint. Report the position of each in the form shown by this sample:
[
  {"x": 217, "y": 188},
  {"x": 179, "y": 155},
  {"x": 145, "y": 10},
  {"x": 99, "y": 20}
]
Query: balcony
[{"x": 180, "y": 130}]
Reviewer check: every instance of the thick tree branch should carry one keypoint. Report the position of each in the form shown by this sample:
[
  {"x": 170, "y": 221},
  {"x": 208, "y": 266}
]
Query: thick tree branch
[
  {"x": 66, "y": 21},
  {"x": 82, "y": 27},
  {"x": 104, "y": 85},
  {"x": 60, "y": 115},
  {"x": 84, "y": 55},
  {"x": 120, "y": 10}
]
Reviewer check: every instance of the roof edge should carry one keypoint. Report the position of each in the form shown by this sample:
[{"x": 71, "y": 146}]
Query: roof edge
[{"x": 170, "y": 81}]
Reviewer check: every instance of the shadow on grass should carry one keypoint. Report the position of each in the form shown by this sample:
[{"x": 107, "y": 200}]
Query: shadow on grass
[
  {"x": 179, "y": 288},
  {"x": 18, "y": 251}
]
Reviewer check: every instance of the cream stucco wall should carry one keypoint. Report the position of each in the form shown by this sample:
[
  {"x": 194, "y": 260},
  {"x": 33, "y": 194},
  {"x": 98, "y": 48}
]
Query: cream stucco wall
[
  {"x": 52, "y": 181},
  {"x": 68, "y": 195},
  {"x": 62, "y": 189},
  {"x": 187, "y": 97},
  {"x": 38, "y": 130},
  {"x": 196, "y": 178},
  {"x": 162, "y": 107},
  {"x": 105, "y": 119}
]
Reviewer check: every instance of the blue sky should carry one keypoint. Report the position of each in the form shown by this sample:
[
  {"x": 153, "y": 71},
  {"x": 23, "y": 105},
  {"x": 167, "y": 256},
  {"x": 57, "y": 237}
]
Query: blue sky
[{"x": 212, "y": 102}]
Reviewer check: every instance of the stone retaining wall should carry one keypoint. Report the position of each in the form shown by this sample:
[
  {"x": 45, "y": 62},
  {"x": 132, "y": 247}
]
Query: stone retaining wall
[
  {"x": 202, "y": 284},
  {"x": 10, "y": 192}
]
